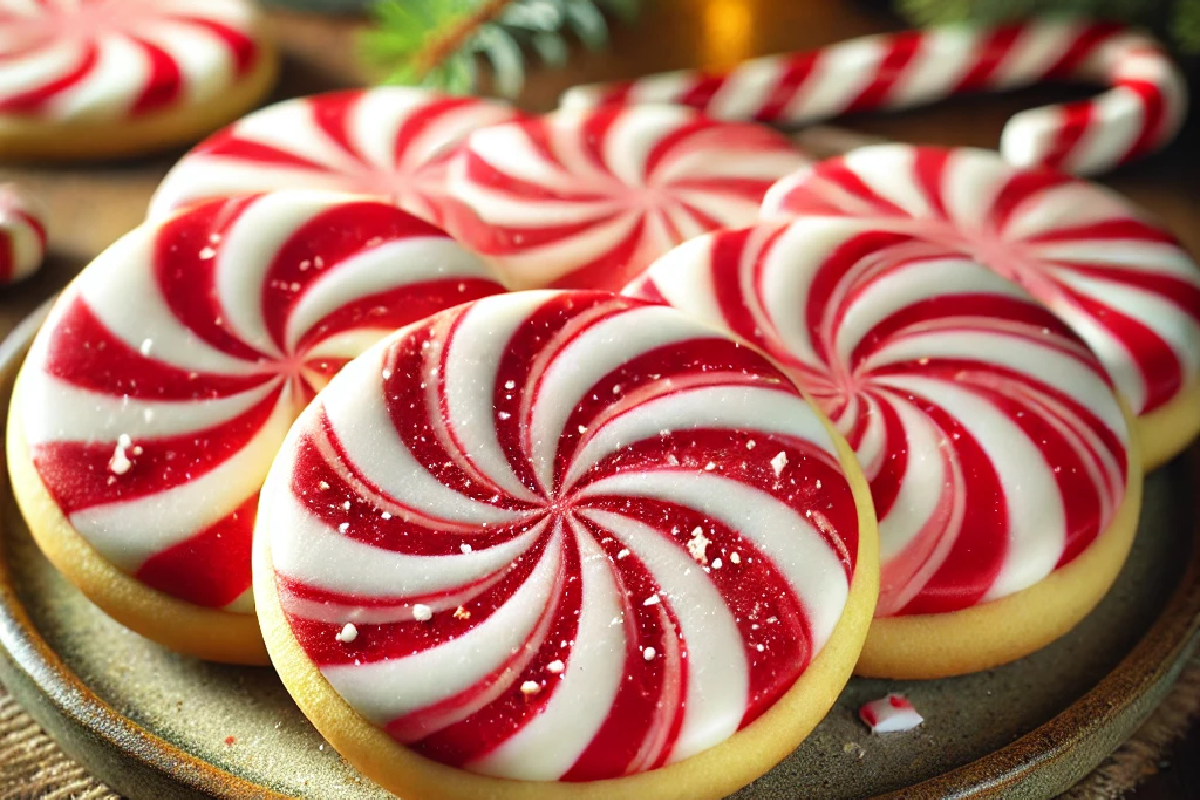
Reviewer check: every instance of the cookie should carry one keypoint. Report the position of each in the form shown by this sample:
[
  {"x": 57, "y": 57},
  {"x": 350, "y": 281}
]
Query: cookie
[
  {"x": 1121, "y": 281},
  {"x": 91, "y": 79},
  {"x": 22, "y": 235},
  {"x": 587, "y": 199},
  {"x": 390, "y": 141},
  {"x": 563, "y": 544},
  {"x": 1003, "y": 468},
  {"x": 154, "y": 398}
]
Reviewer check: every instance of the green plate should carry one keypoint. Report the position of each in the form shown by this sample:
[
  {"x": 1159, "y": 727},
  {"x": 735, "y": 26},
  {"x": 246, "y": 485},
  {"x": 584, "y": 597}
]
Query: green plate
[{"x": 153, "y": 724}]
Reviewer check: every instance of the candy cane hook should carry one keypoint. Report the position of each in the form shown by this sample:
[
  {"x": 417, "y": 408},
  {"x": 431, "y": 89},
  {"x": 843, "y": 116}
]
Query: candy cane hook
[{"x": 1140, "y": 112}]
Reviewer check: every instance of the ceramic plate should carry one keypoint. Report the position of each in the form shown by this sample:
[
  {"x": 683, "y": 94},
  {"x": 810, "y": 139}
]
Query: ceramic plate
[{"x": 153, "y": 724}]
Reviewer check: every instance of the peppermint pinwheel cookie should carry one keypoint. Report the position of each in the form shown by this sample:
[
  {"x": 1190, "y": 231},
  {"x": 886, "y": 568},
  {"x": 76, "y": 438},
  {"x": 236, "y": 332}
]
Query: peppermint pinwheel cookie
[
  {"x": 87, "y": 79},
  {"x": 1003, "y": 468},
  {"x": 563, "y": 544},
  {"x": 586, "y": 199},
  {"x": 390, "y": 141},
  {"x": 1122, "y": 282},
  {"x": 155, "y": 396}
]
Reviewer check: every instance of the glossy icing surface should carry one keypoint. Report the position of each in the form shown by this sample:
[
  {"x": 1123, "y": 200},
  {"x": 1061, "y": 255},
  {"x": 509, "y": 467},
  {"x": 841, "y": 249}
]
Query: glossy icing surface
[
  {"x": 560, "y": 536},
  {"x": 1121, "y": 282},
  {"x": 390, "y": 142},
  {"x": 587, "y": 199},
  {"x": 993, "y": 444},
  {"x": 22, "y": 236},
  {"x": 163, "y": 383},
  {"x": 110, "y": 59}
]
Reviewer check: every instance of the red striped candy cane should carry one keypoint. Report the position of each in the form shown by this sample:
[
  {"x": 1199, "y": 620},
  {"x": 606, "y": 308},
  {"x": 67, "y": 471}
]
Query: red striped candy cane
[{"x": 1141, "y": 111}]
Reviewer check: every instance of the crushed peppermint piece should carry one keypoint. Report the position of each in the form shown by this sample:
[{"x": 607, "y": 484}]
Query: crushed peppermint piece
[
  {"x": 759, "y": 648},
  {"x": 652, "y": 600},
  {"x": 750, "y": 445},
  {"x": 386, "y": 515},
  {"x": 530, "y": 687},
  {"x": 465, "y": 548},
  {"x": 717, "y": 563},
  {"x": 617, "y": 389},
  {"x": 422, "y": 612},
  {"x": 710, "y": 466},
  {"x": 734, "y": 558},
  {"x": 347, "y": 634},
  {"x": 510, "y": 384},
  {"x": 622, "y": 553},
  {"x": 583, "y": 428},
  {"x": 345, "y": 526},
  {"x": 323, "y": 485},
  {"x": 649, "y": 653},
  {"x": 146, "y": 345},
  {"x": 461, "y": 613},
  {"x": 346, "y": 506},
  {"x": 779, "y": 462},
  {"x": 890, "y": 714},
  {"x": 119, "y": 464},
  {"x": 385, "y": 374},
  {"x": 698, "y": 544},
  {"x": 672, "y": 460},
  {"x": 503, "y": 415},
  {"x": 556, "y": 666}
]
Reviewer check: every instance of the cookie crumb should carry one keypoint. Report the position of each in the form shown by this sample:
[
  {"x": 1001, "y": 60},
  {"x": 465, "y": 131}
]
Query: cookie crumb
[
  {"x": 698, "y": 545},
  {"x": 461, "y": 613}
]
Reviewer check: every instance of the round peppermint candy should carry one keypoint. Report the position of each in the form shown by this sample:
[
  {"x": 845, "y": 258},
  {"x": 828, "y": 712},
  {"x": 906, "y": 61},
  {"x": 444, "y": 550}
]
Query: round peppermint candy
[
  {"x": 587, "y": 199},
  {"x": 160, "y": 388},
  {"x": 995, "y": 449},
  {"x": 1121, "y": 282},
  {"x": 22, "y": 236},
  {"x": 388, "y": 142},
  {"x": 557, "y": 536}
]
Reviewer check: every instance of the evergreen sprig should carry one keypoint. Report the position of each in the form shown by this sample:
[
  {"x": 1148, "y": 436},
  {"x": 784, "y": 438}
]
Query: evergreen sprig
[
  {"x": 1176, "y": 21},
  {"x": 436, "y": 43}
]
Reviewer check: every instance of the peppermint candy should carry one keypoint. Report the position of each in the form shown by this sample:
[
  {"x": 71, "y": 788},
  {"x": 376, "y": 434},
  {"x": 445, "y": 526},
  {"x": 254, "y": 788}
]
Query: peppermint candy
[
  {"x": 560, "y": 536},
  {"x": 163, "y": 383},
  {"x": 995, "y": 449},
  {"x": 68, "y": 60},
  {"x": 1123, "y": 283},
  {"x": 390, "y": 142},
  {"x": 22, "y": 236},
  {"x": 1141, "y": 111},
  {"x": 588, "y": 199}
]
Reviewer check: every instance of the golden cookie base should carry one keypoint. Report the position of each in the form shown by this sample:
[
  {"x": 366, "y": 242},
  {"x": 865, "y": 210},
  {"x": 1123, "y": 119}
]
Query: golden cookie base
[
  {"x": 206, "y": 633},
  {"x": 713, "y": 773},
  {"x": 990, "y": 634},
  {"x": 1168, "y": 430},
  {"x": 93, "y": 140}
]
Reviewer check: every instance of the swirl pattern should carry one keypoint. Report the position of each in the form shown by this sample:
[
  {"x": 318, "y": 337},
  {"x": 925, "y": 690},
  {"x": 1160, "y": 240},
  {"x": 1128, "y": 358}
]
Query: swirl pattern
[
  {"x": 86, "y": 59},
  {"x": 560, "y": 536},
  {"x": 389, "y": 142},
  {"x": 1122, "y": 283},
  {"x": 22, "y": 236},
  {"x": 587, "y": 199},
  {"x": 163, "y": 383},
  {"x": 993, "y": 444}
]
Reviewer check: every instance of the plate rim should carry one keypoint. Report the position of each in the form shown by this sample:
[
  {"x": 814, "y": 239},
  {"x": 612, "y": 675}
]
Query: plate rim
[{"x": 28, "y": 662}]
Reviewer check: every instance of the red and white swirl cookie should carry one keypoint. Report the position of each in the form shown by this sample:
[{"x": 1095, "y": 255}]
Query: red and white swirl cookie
[
  {"x": 390, "y": 142},
  {"x": 155, "y": 396},
  {"x": 1120, "y": 281},
  {"x": 97, "y": 78},
  {"x": 563, "y": 537},
  {"x": 588, "y": 198},
  {"x": 22, "y": 236},
  {"x": 999, "y": 460}
]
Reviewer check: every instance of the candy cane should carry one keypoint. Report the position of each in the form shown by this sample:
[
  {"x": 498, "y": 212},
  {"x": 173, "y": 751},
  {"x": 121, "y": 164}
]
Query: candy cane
[{"x": 1141, "y": 111}]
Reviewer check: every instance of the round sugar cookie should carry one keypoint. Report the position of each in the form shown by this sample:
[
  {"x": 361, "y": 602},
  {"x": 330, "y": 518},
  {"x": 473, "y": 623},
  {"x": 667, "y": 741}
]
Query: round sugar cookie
[
  {"x": 390, "y": 141},
  {"x": 563, "y": 545},
  {"x": 1001, "y": 464},
  {"x": 90, "y": 79},
  {"x": 155, "y": 396},
  {"x": 22, "y": 235},
  {"x": 586, "y": 199},
  {"x": 1122, "y": 282}
]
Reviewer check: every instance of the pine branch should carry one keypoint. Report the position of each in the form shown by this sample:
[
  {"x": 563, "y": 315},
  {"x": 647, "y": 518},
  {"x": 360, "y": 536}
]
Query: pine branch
[{"x": 436, "y": 42}]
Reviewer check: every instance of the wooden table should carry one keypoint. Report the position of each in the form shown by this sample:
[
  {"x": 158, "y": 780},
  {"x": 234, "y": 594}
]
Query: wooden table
[{"x": 91, "y": 206}]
